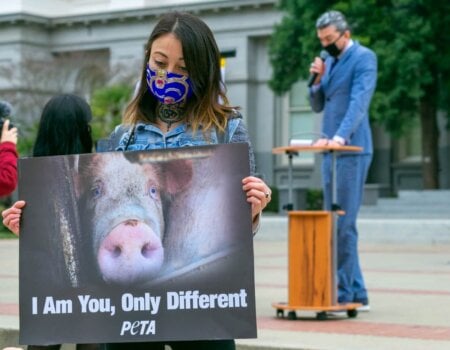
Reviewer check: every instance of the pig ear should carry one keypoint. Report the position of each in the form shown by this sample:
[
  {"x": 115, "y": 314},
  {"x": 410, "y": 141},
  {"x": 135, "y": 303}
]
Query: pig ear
[{"x": 177, "y": 175}]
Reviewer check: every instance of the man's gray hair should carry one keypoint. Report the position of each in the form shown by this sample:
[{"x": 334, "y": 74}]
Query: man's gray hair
[{"x": 334, "y": 18}]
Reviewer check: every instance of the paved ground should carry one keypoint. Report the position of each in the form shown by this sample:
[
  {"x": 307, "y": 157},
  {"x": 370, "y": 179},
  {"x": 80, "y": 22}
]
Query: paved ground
[
  {"x": 408, "y": 278},
  {"x": 409, "y": 288}
]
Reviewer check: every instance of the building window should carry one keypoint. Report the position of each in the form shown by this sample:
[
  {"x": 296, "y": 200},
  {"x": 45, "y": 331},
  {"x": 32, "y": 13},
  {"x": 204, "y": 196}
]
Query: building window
[{"x": 410, "y": 145}]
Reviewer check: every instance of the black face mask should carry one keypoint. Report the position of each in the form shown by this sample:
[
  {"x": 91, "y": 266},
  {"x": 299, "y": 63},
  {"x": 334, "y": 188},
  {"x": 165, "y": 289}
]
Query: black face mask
[{"x": 332, "y": 49}]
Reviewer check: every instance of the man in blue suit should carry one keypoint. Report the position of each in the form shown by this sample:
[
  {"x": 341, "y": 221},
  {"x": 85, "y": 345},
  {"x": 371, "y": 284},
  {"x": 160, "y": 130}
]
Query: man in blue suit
[{"x": 343, "y": 87}]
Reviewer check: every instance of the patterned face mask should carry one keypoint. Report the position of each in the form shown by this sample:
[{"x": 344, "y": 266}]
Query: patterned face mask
[{"x": 167, "y": 87}]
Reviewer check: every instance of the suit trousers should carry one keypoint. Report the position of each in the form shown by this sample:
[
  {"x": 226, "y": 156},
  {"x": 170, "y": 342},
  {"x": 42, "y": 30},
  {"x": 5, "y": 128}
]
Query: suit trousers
[{"x": 351, "y": 174}]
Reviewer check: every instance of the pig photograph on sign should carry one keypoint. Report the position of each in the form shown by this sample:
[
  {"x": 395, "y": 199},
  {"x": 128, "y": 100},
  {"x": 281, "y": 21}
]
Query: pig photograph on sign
[{"x": 136, "y": 246}]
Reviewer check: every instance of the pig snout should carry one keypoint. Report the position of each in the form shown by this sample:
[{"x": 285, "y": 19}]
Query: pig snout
[{"x": 131, "y": 252}]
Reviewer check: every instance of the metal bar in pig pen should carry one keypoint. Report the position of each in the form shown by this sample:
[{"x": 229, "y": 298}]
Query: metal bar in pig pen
[
  {"x": 69, "y": 226},
  {"x": 174, "y": 155}
]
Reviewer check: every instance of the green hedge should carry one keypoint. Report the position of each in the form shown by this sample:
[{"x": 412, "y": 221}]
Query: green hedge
[{"x": 314, "y": 200}]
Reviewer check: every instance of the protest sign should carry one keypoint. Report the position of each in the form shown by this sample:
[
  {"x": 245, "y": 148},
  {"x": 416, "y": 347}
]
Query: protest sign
[{"x": 136, "y": 246}]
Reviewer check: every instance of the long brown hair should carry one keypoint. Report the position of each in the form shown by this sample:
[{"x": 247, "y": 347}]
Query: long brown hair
[{"x": 208, "y": 106}]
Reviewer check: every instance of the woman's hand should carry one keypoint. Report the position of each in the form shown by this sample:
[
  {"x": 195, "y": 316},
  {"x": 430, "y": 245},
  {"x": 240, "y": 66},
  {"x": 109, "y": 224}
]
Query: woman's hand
[
  {"x": 8, "y": 135},
  {"x": 11, "y": 217},
  {"x": 258, "y": 194}
]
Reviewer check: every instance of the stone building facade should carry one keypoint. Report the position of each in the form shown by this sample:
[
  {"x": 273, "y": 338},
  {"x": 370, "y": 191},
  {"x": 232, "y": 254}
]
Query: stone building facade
[{"x": 104, "y": 40}]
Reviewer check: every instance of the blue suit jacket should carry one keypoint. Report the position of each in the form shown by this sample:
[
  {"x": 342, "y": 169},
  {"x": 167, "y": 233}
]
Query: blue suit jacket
[{"x": 344, "y": 95}]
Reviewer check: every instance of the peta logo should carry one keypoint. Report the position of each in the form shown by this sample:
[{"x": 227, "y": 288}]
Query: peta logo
[{"x": 144, "y": 327}]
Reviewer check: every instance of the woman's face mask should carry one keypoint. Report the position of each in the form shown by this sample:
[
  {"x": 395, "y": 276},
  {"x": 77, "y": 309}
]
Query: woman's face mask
[{"x": 167, "y": 87}]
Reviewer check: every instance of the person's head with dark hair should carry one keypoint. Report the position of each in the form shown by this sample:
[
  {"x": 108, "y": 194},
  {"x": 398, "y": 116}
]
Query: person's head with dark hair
[
  {"x": 181, "y": 47},
  {"x": 333, "y": 32},
  {"x": 64, "y": 127}
]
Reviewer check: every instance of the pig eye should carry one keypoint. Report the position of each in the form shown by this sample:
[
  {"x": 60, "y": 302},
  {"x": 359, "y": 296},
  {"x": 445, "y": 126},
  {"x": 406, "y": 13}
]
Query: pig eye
[
  {"x": 97, "y": 189},
  {"x": 153, "y": 192}
]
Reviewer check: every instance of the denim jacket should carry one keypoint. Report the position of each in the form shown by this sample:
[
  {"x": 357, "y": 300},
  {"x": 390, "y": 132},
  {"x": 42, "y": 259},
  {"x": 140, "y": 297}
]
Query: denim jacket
[{"x": 149, "y": 137}]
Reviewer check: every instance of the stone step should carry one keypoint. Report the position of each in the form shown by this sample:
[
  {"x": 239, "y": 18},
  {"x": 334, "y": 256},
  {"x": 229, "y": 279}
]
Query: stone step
[
  {"x": 411, "y": 204},
  {"x": 422, "y": 211},
  {"x": 428, "y": 231},
  {"x": 439, "y": 195}
]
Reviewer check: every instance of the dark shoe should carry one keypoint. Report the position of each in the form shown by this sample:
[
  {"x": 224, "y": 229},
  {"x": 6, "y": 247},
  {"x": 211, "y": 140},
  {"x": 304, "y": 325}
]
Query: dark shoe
[{"x": 365, "y": 305}]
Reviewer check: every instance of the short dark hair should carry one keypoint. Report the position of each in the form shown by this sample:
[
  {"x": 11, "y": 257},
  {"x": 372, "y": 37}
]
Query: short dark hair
[
  {"x": 334, "y": 18},
  {"x": 64, "y": 127}
]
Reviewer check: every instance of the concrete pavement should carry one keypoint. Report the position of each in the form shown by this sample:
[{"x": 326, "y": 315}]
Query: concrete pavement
[
  {"x": 406, "y": 263},
  {"x": 409, "y": 289}
]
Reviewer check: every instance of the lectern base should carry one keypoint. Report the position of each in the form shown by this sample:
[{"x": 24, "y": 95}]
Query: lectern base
[{"x": 321, "y": 313}]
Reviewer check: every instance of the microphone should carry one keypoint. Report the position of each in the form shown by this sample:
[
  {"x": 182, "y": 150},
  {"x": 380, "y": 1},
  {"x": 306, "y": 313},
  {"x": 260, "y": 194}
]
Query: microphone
[
  {"x": 5, "y": 113},
  {"x": 5, "y": 109},
  {"x": 323, "y": 55}
]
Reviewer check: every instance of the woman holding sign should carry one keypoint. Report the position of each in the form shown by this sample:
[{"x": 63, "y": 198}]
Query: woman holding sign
[{"x": 180, "y": 102}]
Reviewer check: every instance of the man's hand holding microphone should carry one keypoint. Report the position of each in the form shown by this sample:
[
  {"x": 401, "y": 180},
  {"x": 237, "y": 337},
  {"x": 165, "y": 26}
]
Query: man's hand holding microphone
[{"x": 317, "y": 68}]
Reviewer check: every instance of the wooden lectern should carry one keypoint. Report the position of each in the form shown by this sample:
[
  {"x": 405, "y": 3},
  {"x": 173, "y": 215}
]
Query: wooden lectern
[{"x": 312, "y": 276}]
